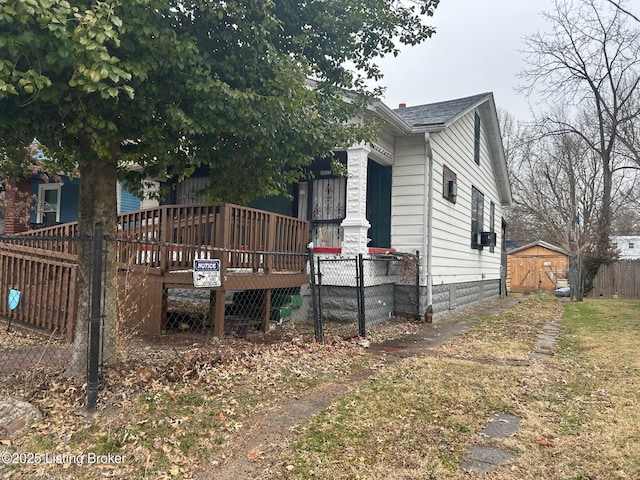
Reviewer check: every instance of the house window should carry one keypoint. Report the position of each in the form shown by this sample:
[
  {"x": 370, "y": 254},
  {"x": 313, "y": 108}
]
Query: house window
[
  {"x": 476, "y": 138},
  {"x": 449, "y": 184},
  {"x": 477, "y": 217},
  {"x": 303, "y": 200},
  {"x": 631, "y": 246},
  {"x": 48, "y": 203},
  {"x": 492, "y": 221},
  {"x": 190, "y": 191}
]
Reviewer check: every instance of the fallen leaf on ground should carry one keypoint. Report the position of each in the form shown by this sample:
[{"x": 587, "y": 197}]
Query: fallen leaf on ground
[
  {"x": 543, "y": 442},
  {"x": 253, "y": 454}
]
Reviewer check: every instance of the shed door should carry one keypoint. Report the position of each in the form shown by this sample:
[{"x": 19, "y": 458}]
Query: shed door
[
  {"x": 532, "y": 273},
  {"x": 525, "y": 275}
]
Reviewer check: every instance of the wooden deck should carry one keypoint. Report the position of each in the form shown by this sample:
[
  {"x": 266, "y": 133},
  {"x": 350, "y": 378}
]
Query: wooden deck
[{"x": 156, "y": 249}]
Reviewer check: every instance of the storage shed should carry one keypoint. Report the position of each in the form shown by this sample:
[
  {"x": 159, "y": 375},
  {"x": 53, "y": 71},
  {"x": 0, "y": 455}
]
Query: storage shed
[{"x": 538, "y": 265}]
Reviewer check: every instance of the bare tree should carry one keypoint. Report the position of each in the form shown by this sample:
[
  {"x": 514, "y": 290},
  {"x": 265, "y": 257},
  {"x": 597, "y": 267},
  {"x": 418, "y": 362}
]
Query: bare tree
[
  {"x": 589, "y": 62},
  {"x": 556, "y": 178},
  {"x": 627, "y": 222},
  {"x": 522, "y": 227},
  {"x": 624, "y": 10}
]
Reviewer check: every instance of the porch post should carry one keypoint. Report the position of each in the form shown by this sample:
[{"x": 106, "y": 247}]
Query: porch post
[{"x": 355, "y": 225}]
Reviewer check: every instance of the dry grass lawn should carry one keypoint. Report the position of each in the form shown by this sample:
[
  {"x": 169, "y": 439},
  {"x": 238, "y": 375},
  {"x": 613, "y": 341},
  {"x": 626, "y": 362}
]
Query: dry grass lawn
[
  {"x": 175, "y": 412},
  {"x": 579, "y": 408},
  {"x": 586, "y": 400}
]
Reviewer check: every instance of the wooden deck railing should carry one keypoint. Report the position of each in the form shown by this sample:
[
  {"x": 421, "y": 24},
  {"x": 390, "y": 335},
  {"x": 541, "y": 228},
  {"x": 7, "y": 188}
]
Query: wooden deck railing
[
  {"x": 249, "y": 243},
  {"x": 170, "y": 238},
  {"x": 52, "y": 239}
]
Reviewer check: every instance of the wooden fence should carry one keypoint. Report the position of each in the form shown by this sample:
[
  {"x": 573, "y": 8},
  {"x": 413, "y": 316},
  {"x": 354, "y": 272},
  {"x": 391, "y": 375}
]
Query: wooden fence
[
  {"x": 46, "y": 281},
  {"x": 620, "y": 278}
]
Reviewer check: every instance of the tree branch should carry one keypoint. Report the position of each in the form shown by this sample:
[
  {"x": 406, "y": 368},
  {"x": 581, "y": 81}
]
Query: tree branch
[{"x": 623, "y": 10}]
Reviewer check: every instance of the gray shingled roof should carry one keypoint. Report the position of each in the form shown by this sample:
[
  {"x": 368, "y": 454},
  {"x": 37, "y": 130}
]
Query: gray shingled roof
[{"x": 439, "y": 113}]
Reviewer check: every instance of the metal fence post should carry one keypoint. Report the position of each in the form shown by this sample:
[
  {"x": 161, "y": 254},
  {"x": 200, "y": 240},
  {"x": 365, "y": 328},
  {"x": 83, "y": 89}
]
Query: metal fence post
[
  {"x": 417, "y": 285},
  {"x": 362, "y": 326},
  {"x": 315, "y": 300},
  {"x": 94, "y": 320}
]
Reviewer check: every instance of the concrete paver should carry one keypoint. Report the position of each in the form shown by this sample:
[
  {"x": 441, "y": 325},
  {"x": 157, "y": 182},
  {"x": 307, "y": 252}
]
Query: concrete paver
[
  {"x": 483, "y": 460},
  {"x": 501, "y": 426}
]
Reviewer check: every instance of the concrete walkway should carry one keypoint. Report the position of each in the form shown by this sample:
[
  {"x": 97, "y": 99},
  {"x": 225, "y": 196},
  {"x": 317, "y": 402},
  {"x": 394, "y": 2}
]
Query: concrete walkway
[
  {"x": 270, "y": 433},
  {"x": 445, "y": 327},
  {"x": 483, "y": 459}
]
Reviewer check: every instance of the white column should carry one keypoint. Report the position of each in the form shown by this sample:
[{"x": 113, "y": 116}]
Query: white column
[{"x": 355, "y": 224}]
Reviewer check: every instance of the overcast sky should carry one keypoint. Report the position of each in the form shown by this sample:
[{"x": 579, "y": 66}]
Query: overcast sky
[{"x": 475, "y": 50}]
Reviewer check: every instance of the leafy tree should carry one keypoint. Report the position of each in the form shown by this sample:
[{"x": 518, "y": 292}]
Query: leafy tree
[{"x": 252, "y": 89}]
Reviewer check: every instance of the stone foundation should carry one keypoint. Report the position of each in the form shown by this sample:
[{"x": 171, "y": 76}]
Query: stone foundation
[{"x": 339, "y": 303}]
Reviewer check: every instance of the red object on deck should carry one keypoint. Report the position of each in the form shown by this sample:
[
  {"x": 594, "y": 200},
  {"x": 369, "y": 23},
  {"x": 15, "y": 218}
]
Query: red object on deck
[{"x": 338, "y": 250}]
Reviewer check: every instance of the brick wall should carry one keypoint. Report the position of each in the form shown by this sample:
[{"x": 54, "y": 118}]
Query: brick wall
[{"x": 17, "y": 206}]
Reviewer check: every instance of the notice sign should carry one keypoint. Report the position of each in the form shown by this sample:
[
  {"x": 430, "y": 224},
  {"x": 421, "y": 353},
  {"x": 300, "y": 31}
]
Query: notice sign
[{"x": 206, "y": 273}]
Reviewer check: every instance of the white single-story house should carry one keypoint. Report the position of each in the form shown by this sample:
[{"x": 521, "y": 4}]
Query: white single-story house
[{"x": 434, "y": 182}]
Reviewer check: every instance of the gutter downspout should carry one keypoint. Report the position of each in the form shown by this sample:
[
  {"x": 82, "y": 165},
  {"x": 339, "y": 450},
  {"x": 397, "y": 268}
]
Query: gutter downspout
[{"x": 428, "y": 225}]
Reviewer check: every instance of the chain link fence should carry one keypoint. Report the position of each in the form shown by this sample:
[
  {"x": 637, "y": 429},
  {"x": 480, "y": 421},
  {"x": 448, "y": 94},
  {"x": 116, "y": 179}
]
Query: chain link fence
[
  {"x": 191, "y": 311},
  {"x": 352, "y": 293},
  {"x": 45, "y": 293}
]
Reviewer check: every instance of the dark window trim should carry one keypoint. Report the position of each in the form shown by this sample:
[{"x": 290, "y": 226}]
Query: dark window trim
[
  {"x": 449, "y": 176},
  {"x": 492, "y": 223},
  {"x": 477, "y": 217},
  {"x": 476, "y": 138}
]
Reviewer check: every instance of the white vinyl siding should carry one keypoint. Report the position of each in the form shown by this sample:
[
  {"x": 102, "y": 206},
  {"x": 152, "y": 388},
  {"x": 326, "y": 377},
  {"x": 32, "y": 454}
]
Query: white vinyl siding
[
  {"x": 408, "y": 194},
  {"x": 627, "y": 246},
  {"x": 453, "y": 259}
]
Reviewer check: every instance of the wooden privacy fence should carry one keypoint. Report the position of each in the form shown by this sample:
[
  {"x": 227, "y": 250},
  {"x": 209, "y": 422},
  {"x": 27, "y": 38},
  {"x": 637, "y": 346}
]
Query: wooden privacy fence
[
  {"x": 620, "y": 278},
  {"x": 46, "y": 281}
]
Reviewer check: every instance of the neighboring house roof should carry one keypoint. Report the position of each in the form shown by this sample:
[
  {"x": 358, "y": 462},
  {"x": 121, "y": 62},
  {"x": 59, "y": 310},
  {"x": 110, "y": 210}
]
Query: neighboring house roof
[
  {"x": 540, "y": 243},
  {"x": 622, "y": 238}
]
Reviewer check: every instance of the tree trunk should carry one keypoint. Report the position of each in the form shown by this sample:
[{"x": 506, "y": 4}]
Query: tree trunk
[
  {"x": 97, "y": 204},
  {"x": 604, "y": 230}
]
